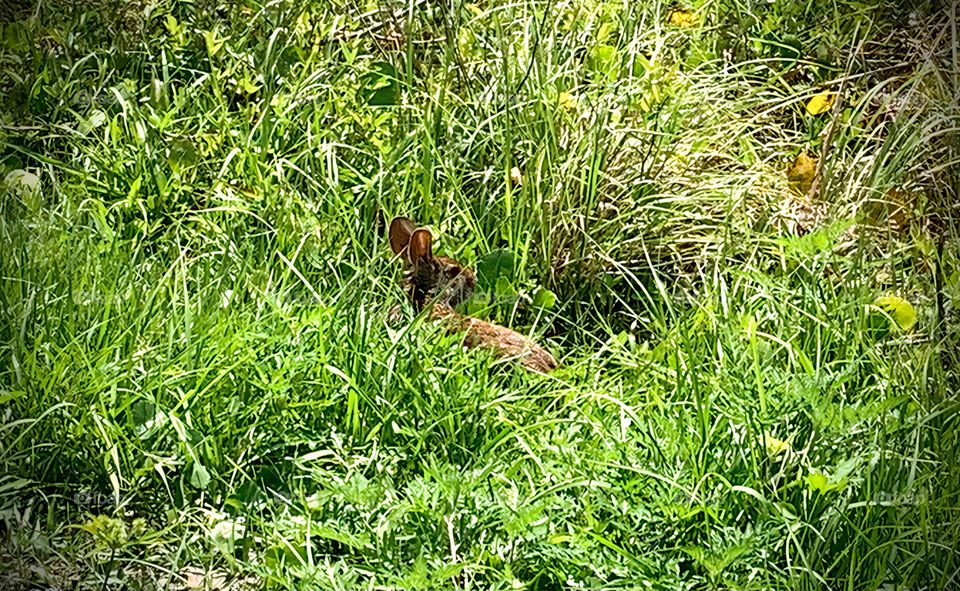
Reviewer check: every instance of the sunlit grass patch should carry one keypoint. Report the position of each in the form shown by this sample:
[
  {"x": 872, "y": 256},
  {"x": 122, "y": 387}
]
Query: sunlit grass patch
[{"x": 734, "y": 225}]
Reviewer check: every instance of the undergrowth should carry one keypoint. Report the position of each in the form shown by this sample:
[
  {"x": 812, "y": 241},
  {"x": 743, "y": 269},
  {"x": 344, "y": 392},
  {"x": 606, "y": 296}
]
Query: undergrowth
[{"x": 733, "y": 223}]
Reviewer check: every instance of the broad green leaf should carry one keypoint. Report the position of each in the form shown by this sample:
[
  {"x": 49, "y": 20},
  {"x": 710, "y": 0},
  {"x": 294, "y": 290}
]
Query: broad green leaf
[
  {"x": 380, "y": 87},
  {"x": 142, "y": 411},
  {"x": 504, "y": 287},
  {"x": 790, "y": 47},
  {"x": 183, "y": 154},
  {"x": 199, "y": 477},
  {"x": 778, "y": 45},
  {"x": 495, "y": 264},
  {"x": 357, "y": 540},
  {"x": 247, "y": 86},
  {"x": 843, "y": 470},
  {"x": 213, "y": 42},
  {"x": 171, "y": 24},
  {"x": 604, "y": 60},
  {"x": 16, "y": 37},
  {"x": 603, "y": 33},
  {"x": 544, "y": 298},
  {"x": 6, "y": 397}
]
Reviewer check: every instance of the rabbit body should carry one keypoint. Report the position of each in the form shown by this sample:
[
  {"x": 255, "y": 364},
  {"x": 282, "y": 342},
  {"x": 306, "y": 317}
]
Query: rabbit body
[{"x": 442, "y": 283}]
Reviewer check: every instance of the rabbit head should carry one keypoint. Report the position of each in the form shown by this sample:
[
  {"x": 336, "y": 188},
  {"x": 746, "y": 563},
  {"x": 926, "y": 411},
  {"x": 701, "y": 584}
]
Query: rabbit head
[{"x": 428, "y": 278}]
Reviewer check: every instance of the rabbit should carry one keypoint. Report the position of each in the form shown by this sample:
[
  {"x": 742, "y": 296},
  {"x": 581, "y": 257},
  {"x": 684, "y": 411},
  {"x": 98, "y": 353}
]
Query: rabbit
[
  {"x": 429, "y": 277},
  {"x": 442, "y": 283}
]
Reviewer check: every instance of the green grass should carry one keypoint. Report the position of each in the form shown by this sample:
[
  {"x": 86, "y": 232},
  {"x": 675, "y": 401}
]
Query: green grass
[{"x": 203, "y": 381}]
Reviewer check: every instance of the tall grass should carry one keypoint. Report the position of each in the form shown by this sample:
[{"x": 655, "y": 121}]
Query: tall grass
[{"x": 205, "y": 381}]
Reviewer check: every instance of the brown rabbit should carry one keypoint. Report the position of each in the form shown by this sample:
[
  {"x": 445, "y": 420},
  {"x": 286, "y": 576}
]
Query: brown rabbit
[{"x": 442, "y": 283}]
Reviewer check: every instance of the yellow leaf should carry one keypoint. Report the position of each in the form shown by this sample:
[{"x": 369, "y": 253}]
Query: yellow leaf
[
  {"x": 801, "y": 171},
  {"x": 899, "y": 309},
  {"x": 821, "y": 103},
  {"x": 681, "y": 18},
  {"x": 567, "y": 101},
  {"x": 774, "y": 446},
  {"x": 818, "y": 481}
]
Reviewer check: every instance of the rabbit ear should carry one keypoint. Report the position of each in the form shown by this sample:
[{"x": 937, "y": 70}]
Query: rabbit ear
[
  {"x": 421, "y": 245},
  {"x": 401, "y": 229}
]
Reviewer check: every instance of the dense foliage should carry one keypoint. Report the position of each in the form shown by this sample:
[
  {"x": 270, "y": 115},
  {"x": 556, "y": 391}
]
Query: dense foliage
[{"x": 733, "y": 222}]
